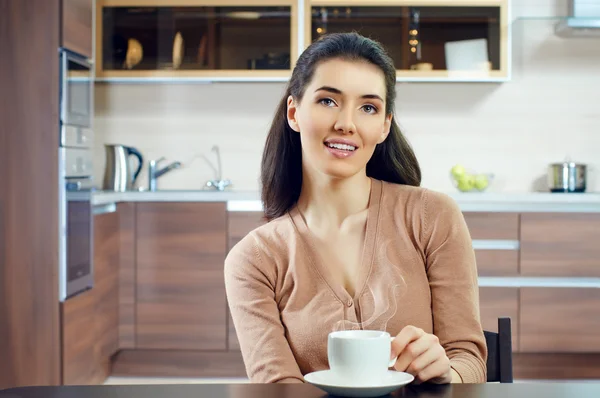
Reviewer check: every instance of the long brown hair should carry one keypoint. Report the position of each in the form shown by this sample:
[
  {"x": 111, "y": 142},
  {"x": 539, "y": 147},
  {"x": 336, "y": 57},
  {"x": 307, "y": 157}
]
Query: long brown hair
[{"x": 281, "y": 166}]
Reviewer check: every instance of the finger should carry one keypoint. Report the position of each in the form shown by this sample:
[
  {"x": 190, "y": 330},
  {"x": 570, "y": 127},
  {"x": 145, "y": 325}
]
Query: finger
[
  {"x": 437, "y": 370},
  {"x": 406, "y": 336},
  {"x": 411, "y": 352},
  {"x": 431, "y": 355}
]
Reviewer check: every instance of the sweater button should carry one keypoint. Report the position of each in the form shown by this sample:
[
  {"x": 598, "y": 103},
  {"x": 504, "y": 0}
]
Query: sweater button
[{"x": 350, "y": 303}]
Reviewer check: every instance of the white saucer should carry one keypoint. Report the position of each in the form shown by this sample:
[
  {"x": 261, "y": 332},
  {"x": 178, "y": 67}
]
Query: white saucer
[{"x": 327, "y": 382}]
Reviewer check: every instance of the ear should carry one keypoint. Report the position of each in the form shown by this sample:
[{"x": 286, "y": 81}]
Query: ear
[
  {"x": 387, "y": 125},
  {"x": 291, "y": 114}
]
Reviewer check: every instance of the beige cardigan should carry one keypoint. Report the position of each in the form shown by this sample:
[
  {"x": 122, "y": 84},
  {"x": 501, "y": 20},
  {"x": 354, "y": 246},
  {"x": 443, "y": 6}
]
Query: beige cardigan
[{"x": 418, "y": 268}]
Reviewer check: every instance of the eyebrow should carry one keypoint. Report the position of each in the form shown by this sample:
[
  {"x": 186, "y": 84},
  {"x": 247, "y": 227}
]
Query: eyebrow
[{"x": 338, "y": 91}]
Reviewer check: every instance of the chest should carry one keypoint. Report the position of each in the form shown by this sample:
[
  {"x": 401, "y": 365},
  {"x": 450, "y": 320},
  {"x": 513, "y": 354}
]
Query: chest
[{"x": 342, "y": 254}]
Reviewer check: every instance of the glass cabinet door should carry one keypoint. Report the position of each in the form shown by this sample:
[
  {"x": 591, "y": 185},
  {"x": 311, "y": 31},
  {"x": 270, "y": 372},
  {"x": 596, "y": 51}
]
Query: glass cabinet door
[
  {"x": 441, "y": 39},
  {"x": 182, "y": 38}
]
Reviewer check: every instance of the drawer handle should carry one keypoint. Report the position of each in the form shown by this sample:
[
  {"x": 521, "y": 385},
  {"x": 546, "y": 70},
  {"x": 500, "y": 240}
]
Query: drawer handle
[
  {"x": 104, "y": 209},
  {"x": 499, "y": 244}
]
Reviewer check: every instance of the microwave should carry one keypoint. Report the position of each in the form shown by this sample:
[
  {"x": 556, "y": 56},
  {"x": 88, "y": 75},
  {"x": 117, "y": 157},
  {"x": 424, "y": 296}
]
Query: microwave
[{"x": 76, "y": 90}]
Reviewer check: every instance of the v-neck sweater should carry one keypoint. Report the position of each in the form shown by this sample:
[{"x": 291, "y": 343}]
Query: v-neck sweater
[{"x": 418, "y": 268}]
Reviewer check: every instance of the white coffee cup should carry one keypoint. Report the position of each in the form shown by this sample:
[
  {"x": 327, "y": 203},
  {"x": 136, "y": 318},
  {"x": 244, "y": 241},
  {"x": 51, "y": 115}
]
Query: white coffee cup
[{"x": 359, "y": 357}]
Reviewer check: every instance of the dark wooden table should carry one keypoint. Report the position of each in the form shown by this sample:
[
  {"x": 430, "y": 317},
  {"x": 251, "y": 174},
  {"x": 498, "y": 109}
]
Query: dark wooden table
[{"x": 517, "y": 390}]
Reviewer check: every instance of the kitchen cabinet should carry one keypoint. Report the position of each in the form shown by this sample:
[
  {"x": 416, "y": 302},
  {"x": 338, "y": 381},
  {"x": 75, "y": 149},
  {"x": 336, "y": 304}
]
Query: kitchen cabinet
[
  {"x": 496, "y": 241},
  {"x": 492, "y": 226},
  {"x": 559, "y": 320},
  {"x": 260, "y": 40},
  {"x": 497, "y": 262},
  {"x": 30, "y": 335},
  {"x": 240, "y": 223},
  {"x": 180, "y": 291},
  {"x": 126, "y": 275},
  {"x": 90, "y": 320},
  {"x": 497, "y": 302},
  {"x": 77, "y": 26},
  {"x": 81, "y": 362},
  {"x": 201, "y": 39},
  {"x": 173, "y": 318},
  {"x": 106, "y": 283},
  {"x": 441, "y": 40},
  {"x": 560, "y": 244}
]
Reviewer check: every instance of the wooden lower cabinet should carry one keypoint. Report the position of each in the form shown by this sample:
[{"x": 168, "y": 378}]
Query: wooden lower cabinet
[
  {"x": 160, "y": 296},
  {"x": 81, "y": 361},
  {"x": 240, "y": 223},
  {"x": 180, "y": 290},
  {"x": 127, "y": 275},
  {"x": 106, "y": 283},
  {"x": 90, "y": 320},
  {"x": 485, "y": 226},
  {"x": 492, "y": 226},
  {"x": 497, "y": 262},
  {"x": 559, "y": 320},
  {"x": 560, "y": 244},
  {"x": 497, "y": 302}
]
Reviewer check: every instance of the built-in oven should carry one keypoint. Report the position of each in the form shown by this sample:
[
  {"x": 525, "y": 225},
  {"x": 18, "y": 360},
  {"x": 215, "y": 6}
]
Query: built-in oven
[{"x": 75, "y": 152}]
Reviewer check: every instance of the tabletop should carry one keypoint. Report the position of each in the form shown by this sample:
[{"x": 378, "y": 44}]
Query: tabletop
[{"x": 516, "y": 390}]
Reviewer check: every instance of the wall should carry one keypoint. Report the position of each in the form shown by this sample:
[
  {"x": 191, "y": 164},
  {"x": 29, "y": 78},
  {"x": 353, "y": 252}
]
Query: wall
[{"x": 548, "y": 111}]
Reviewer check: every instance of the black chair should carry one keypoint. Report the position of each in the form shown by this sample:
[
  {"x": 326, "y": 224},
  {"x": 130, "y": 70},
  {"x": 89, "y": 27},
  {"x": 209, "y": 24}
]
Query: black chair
[{"x": 499, "y": 345}]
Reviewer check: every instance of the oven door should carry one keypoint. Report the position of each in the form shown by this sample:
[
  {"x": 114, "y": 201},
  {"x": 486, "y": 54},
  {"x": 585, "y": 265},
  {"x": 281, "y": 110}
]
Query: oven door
[
  {"x": 79, "y": 238},
  {"x": 76, "y": 271},
  {"x": 76, "y": 90}
]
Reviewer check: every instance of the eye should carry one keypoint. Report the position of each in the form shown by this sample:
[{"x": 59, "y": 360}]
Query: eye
[
  {"x": 370, "y": 109},
  {"x": 327, "y": 102}
]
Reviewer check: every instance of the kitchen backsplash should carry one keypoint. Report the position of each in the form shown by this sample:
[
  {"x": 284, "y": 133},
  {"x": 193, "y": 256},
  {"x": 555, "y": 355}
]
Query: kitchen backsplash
[{"x": 548, "y": 111}]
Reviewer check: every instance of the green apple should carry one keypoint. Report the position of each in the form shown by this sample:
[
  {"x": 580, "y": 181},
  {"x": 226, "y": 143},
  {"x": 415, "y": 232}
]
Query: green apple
[
  {"x": 458, "y": 171},
  {"x": 466, "y": 182},
  {"x": 481, "y": 182}
]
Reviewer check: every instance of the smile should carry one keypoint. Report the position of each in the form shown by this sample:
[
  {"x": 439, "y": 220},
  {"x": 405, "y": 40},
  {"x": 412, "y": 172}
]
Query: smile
[
  {"x": 342, "y": 147},
  {"x": 340, "y": 150}
]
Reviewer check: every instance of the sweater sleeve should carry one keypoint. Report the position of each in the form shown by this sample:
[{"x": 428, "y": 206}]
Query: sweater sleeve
[
  {"x": 250, "y": 288},
  {"x": 452, "y": 274}
]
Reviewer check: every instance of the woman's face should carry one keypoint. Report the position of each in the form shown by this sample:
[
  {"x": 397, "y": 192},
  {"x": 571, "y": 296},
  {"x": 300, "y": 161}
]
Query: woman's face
[{"x": 341, "y": 117}]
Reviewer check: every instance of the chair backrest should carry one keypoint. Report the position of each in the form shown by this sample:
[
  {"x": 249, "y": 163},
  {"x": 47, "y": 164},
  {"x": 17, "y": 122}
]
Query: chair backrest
[{"x": 499, "y": 345}]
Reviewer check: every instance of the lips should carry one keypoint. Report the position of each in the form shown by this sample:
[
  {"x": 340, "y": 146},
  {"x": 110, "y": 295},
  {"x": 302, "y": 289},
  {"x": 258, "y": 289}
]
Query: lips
[
  {"x": 342, "y": 144},
  {"x": 340, "y": 149}
]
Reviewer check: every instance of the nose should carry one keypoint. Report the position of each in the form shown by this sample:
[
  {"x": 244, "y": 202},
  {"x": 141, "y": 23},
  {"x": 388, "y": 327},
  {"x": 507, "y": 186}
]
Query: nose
[{"x": 344, "y": 122}]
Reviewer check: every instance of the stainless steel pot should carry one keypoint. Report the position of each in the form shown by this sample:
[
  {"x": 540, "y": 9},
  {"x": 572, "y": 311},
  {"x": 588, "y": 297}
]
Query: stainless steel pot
[{"x": 567, "y": 177}]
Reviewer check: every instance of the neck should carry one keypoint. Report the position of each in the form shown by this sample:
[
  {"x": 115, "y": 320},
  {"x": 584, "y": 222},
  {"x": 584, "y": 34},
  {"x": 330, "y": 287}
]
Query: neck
[{"x": 327, "y": 201}]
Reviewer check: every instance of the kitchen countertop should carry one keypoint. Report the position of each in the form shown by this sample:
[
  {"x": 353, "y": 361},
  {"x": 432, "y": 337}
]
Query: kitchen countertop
[
  {"x": 472, "y": 202},
  {"x": 105, "y": 197}
]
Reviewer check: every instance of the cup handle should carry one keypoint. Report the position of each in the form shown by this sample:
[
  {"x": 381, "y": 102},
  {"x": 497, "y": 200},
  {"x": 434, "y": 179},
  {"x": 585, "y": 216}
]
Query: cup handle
[{"x": 393, "y": 360}]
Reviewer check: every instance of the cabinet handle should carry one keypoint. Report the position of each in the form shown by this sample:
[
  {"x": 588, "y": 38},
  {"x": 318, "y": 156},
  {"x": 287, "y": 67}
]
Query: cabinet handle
[
  {"x": 104, "y": 209},
  {"x": 496, "y": 244}
]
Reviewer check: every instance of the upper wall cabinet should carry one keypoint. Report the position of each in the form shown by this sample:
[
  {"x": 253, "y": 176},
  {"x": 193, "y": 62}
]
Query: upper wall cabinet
[
  {"x": 76, "y": 26},
  {"x": 260, "y": 40},
  {"x": 428, "y": 40},
  {"x": 200, "y": 39}
]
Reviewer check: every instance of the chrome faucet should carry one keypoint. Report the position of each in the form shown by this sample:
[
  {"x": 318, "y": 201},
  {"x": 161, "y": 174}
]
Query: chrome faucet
[
  {"x": 218, "y": 183},
  {"x": 153, "y": 173}
]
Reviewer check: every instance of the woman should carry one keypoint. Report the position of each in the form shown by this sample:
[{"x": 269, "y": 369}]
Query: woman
[{"x": 352, "y": 241}]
